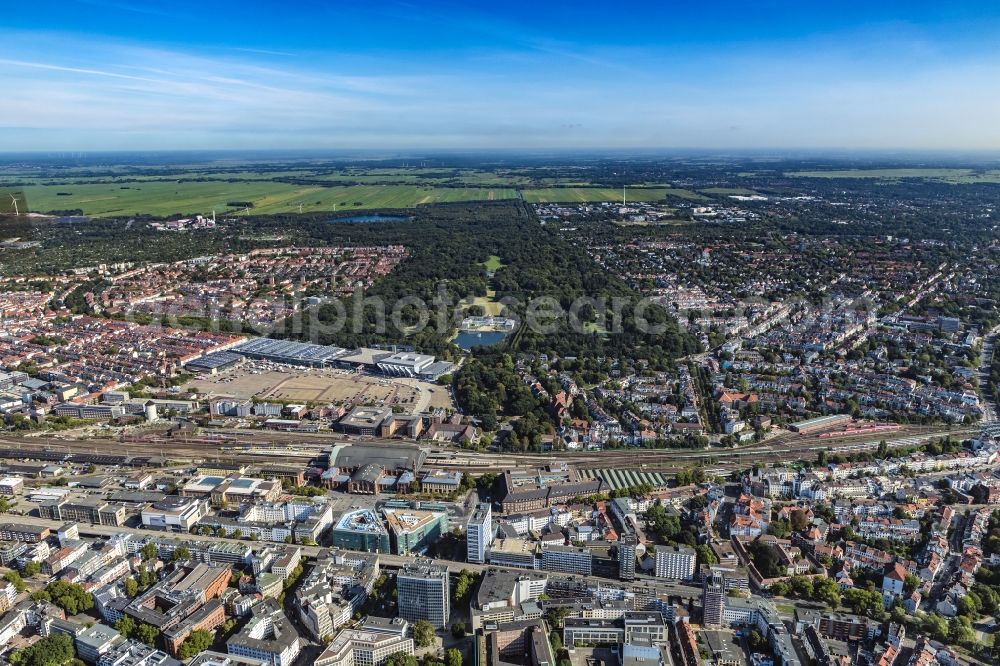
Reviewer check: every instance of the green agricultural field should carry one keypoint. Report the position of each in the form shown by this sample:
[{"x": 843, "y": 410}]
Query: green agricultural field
[
  {"x": 164, "y": 198},
  {"x": 728, "y": 191},
  {"x": 468, "y": 177},
  {"x": 955, "y": 176},
  {"x": 882, "y": 173},
  {"x": 594, "y": 194}
]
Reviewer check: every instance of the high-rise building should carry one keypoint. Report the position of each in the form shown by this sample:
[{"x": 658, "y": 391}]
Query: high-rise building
[
  {"x": 676, "y": 562},
  {"x": 626, "y": 557},
  {"x": 713, "y": 603},
  {"x": 479, "y": 533},
  {"x": 422, "y": 593}
]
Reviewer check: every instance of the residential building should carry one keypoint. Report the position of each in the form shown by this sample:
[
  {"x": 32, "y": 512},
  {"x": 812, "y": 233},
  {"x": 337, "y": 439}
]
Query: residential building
[
  {"x": 269, "y": 636},
  {"x": 675, "y": 562}
]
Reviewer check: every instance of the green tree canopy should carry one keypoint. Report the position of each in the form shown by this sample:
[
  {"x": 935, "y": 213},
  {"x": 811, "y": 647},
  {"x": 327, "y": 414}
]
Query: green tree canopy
[
  {"x": 195, "y": 644},
  {"x": 423, "y": 633}
]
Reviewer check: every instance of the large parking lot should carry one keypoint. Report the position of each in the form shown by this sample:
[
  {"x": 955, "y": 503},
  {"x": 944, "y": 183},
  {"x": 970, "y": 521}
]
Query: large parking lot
[{"x": 271, "y": 381}]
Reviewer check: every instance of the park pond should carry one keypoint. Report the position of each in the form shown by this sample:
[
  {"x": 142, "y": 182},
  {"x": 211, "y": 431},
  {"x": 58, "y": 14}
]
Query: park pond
[{"x": 469, "y": 339}]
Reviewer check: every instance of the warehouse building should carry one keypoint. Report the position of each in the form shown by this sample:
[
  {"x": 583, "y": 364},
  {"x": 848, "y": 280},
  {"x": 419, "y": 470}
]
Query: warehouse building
[
  {"x": 214, "y": 363},
  {"x": 289, "y": 352}
]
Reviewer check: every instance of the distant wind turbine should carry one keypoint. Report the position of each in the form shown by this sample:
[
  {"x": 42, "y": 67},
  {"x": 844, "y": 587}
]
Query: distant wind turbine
[{"x": 13, "y": 200}]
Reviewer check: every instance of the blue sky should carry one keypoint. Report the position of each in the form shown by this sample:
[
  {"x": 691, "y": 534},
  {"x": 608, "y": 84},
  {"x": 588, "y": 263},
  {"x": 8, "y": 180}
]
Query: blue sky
[{"x": 134, "y": 74}]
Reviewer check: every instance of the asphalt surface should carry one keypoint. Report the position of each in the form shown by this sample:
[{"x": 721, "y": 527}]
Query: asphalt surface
[{"x": 388, "y": 561}]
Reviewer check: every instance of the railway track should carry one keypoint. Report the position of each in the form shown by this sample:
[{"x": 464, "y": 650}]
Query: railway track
[{"x": 784, "y": 448}]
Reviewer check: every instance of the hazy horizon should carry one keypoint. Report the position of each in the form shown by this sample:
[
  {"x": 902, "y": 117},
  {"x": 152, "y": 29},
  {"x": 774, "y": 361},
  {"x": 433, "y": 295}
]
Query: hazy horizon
[{"x": 123, "y": 75}]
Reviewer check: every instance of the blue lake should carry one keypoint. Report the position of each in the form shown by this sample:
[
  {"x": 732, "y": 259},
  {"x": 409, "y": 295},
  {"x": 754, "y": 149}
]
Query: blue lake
[
  {"x": 361, "y": 219},
  {"x": 470, "y": 339}
]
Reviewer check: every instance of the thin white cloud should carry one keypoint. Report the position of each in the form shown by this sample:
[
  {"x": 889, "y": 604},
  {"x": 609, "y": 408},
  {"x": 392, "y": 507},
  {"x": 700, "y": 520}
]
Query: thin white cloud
[
  {"x": 118, "y": 95},
  {"x": 243, "y": 49}
]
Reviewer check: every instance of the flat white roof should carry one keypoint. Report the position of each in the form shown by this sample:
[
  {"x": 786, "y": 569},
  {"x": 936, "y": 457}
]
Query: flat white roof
[{"x": 408, "y": 358}]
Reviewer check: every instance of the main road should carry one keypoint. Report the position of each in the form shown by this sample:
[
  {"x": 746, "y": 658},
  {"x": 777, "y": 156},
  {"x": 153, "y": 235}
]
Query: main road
[
  {"x": 985, "y": 364},
  {"x": 672, "y": 588}
]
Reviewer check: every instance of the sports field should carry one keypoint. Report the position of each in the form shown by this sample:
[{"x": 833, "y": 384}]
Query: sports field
[{"x": 165, "y": 198}]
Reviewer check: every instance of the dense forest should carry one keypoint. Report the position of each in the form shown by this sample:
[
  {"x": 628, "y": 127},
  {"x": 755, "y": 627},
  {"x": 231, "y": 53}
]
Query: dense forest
[{"x": 449, "y": 244}]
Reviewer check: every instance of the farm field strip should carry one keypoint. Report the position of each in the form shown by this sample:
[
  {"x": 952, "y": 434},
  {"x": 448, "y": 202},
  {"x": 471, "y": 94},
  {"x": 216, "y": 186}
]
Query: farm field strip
[{"x": 165, "y": 198}]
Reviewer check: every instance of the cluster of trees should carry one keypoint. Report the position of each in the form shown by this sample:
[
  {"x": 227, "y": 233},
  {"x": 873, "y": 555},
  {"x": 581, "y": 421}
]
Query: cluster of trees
[
  {"x": 632, "y": 491},
  {"x": 489, "y": 384},
  {"x": 558, "y": 649},
  {"x": 423, "y": 633},
  {"x": 688, "y": 477},
  {"x": 142, "y": 580},
  {"x": 822, "y": 589},
  {"x": 867, "y": 602},
  {"x": 674, "y": 529},
  {"x": 141, "y": 631},
  {"x": 458, "y": 630},
  {"x": 452, "y": 657},
  {"x": 705, "y": 554},
  {"x": 464, "y": 586},
  {"x": 54, "y": 649},
  {"x": 666, "y": 527},
  {"x": 304, "y": 491},
  {"x": 781, "y": 528},
  {"x": 15, "y": 578},
  {"x": 199, "y": 641},
  {"x": 991, "y": 542},
  {"x": 70, "y": 597},
  {"x": 766, "y": 559}
]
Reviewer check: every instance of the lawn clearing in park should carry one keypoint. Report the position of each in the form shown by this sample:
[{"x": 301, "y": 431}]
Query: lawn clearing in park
[
  {"x": 493, "y": 264},
  {"x": 490, "y": 305}
]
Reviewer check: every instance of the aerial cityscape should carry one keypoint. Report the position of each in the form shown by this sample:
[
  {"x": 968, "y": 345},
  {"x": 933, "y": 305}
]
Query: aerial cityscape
[{"x": 443, "y": 335}]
